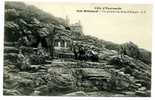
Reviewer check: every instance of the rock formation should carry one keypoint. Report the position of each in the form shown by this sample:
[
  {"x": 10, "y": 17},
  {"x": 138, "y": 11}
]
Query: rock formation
[{"x": 112, "y": 75}]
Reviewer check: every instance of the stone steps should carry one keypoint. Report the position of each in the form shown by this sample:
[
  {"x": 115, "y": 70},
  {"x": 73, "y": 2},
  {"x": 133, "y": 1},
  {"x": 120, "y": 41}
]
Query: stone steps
[
  {"x": 10, "y": 43},
  {"x": 10, "y": 52},
  {"x": 10, "y": 49},
  {"x": 10, "y": 55}
]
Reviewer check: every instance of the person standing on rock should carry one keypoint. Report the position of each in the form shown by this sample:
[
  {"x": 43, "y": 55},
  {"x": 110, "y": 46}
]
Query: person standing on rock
[
  {"x": 82, "y": 53},
  {"x": 26, "y": 63},
  {"x": 92, "y": 54},
  {"x": 23, "y": 62},
  {"x": 20, "y": 59},
  {"x": 122, "y": 51},
  {"x": 75, "y": 50}
]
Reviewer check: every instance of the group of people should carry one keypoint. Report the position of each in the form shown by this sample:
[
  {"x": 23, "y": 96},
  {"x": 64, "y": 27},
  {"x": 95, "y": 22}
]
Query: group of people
[{"x": 81, "y": 53}]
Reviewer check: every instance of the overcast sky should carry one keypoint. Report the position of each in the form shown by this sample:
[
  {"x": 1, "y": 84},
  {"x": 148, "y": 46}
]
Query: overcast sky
[{"x": 118, "y": 28}]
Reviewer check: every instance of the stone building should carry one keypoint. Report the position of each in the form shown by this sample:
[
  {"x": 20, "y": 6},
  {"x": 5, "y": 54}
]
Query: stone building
[
  {"x": 62, "y": 43},
  {"x": 76, "y": 29},
  {"x": 63, "y": 39}
]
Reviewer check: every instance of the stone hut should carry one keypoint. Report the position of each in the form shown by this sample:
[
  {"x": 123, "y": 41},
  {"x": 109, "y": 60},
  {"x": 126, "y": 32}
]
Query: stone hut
[
  {"x": 63, "y": 39},
  {"x": 62, "y": 43}
]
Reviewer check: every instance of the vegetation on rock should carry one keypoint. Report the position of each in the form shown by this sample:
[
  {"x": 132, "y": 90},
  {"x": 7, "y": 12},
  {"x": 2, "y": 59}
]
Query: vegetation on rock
[{"x": 112, "y": 75}]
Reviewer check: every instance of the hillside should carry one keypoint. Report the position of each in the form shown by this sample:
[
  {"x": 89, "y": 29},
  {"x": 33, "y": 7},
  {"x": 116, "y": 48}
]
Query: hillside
[{"x": 112, "y": 75}]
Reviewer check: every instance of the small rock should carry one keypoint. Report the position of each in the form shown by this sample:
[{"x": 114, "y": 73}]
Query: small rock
[{"x": 79, "y": 93}]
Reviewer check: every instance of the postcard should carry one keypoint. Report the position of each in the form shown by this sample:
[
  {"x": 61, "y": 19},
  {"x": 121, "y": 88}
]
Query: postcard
[{"x": 77, "y": 49}]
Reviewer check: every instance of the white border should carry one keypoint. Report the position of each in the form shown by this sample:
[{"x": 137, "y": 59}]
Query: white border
[
  {"x": 96, "y": 1},
  {"x": 76, "y": 98},
  {"x": 1, "y": 43}
]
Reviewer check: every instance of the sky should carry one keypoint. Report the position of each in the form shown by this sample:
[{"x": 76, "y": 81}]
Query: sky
[{"x": 115, "y": 27}]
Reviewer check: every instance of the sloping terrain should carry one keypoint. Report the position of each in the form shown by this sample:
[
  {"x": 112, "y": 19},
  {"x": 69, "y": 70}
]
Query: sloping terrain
[{"x": 112, "y": 75}]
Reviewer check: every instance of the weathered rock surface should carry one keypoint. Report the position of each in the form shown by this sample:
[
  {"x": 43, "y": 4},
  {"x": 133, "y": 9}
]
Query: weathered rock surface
[
  {"x": 60, "y": 78},
  {"x": 120, "y": 77},
  {"x": 112, "y": 75}
]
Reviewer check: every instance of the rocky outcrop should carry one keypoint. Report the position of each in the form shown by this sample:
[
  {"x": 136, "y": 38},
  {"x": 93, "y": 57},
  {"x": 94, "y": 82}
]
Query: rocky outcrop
[
  {"x": 112, "y": 75},
  {"x": 60, "y": 78}
]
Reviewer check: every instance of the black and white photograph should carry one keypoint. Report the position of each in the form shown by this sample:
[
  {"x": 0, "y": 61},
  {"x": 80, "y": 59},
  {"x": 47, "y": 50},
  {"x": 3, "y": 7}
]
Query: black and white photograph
[{"x": 75, "y": 49}]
